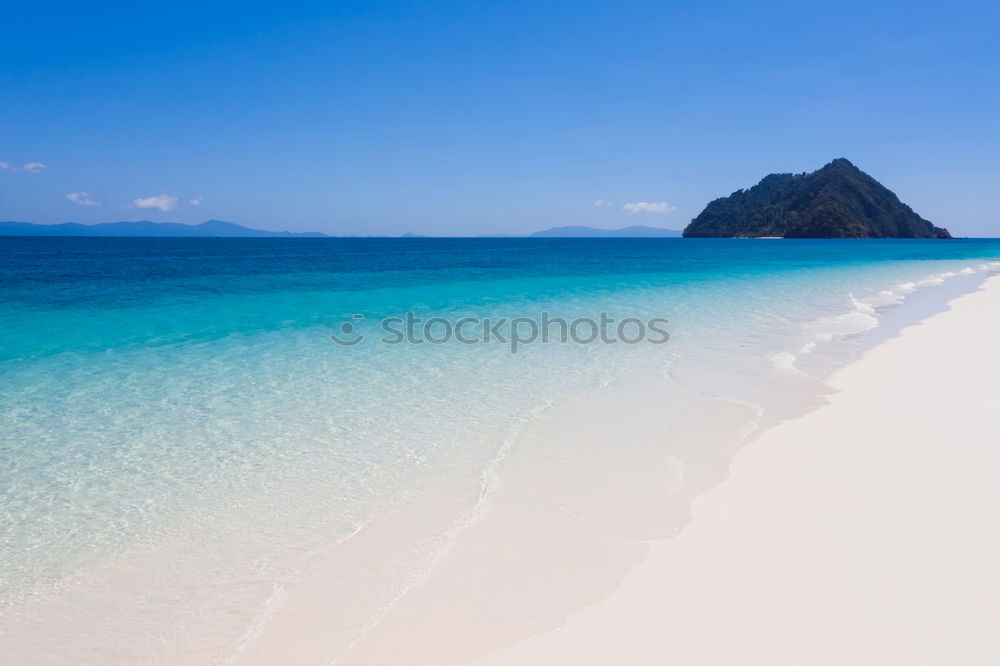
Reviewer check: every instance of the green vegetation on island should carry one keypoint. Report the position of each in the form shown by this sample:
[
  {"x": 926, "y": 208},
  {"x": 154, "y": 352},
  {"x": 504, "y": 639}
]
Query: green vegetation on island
[{"x": 837, "y": 201}]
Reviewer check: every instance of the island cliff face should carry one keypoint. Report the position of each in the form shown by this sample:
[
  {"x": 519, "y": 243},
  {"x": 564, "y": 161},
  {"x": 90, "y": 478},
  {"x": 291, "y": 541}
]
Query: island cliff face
[{"x": 837, "y": 201}]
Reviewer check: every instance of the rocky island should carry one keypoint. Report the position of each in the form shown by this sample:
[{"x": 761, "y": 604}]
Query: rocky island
[{"x": 837, "y": 201}]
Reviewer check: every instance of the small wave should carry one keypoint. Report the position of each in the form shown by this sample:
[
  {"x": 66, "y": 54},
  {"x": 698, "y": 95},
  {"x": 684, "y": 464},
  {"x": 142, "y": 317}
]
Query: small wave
[
  {"x": 256, "y": 625},
  {"x": 865, "y": 316},
  {"x": 861, "y": 319},
  {"x": 489, "y": 481},
  {"x": 885, "y": 298},
  {"x": 784, "y": 361},
  {"x": 931, "y": 281}
]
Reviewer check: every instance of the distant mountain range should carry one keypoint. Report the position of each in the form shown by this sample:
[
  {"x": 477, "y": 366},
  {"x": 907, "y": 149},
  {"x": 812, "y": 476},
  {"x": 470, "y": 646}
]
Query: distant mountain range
[
  {"x": 209, "y": 229},
  {"x": 220, "y": 229},
  {"x": 837, "y": 201}
]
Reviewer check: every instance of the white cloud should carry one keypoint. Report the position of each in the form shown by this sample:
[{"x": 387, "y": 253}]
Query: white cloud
[
  {"x": 600, "y": 203},
  {"x": 33, "y": 167},
  {"x": 162, "y": 202},
  {"x": 195, "y": 202},
  {"x": 82, "y": 198},
  {"x": 648, "y": 207}
]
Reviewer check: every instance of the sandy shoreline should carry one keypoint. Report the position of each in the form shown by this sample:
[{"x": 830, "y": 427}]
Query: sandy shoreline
[
  {"x": 848, "y": 535},
  {"x": 650, "y": 521},
  {"x": 865, "y": 532},
  {"x": 848, "y": 520}
]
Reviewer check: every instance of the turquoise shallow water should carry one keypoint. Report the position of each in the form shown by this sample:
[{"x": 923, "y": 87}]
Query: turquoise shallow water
[{"x": 158, "y": 392}]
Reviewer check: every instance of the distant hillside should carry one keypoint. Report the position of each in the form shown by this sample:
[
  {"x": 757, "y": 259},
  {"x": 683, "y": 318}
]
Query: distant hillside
[
  {"x": 637, "y": 231},
  {"x": 209, "y": 229},
  {"x": 837, "y": 201}
]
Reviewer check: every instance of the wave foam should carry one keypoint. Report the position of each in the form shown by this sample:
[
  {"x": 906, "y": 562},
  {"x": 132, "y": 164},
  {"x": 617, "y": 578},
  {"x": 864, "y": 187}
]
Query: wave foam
[{"x": 862, "y": 318}]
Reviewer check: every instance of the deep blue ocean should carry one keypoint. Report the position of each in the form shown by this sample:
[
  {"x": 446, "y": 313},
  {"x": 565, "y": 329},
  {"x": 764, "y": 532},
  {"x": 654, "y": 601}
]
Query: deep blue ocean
[{"x": 181, "y": 401}]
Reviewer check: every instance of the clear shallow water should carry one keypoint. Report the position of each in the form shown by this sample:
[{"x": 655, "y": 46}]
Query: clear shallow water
[{"x": 178, "y": 406}]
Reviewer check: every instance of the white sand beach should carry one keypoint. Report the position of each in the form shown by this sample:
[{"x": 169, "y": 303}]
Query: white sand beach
[{"x": 864, "y": 532}]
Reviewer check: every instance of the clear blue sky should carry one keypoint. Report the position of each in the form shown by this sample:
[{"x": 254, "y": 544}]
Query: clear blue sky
[{"x": 464, "y": 118}]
